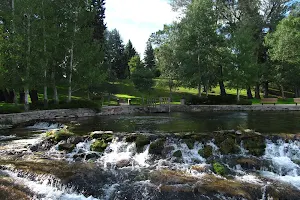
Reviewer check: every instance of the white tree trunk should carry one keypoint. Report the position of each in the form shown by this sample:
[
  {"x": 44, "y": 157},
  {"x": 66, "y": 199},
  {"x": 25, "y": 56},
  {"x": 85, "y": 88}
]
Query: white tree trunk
[
  {"x": 70, "y": 75},
  {"x": 55, "y": 95},
  {"x": 199, "y": 90},
  {"x": 46, "y": 62},
  {"x": 26, "y": 103},
  {"x": 27, "y": 64}
]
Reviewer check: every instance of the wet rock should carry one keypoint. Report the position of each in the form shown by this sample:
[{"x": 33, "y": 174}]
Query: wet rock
[
  {"x": 249, "y": 163},
  {"x": 79, "y": 156},
  {"x": 167, "y": 150},
  {"x": 66, "y": 147},
  {"x": 206, "y": 152},
  {"x": 157, "y": 147},
  {"x": 91, "y": 156},
  {"x": 123, "y": 163},
  {"x": 238, "y": 132},
  {"x": 131, "y": 138},
  {"x": 75, "y": 140},
  {"x": 172, "y": 177},
  {"x": 229, "y": 146},
  {"x": 11, "y": 191},
  {"x": 96, "y": 134},
  {"x": 105, "y": 135},
  {"x": 140, "y": 142},
  {"x": 99, "y": 146},
  {"x": 177, "y": 154},
  {"x": 255, "y": 145},
  {"x": 189, "y": 142},
  {"x": 43, "y": 145},
  {"x": 201, "y": 168}
]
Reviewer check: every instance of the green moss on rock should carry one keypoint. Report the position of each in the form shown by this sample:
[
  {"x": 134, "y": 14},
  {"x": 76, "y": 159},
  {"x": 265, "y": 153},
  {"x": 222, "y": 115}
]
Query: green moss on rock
[
  {"x": 59, "y": 135},
  {"x": 229, "y": 146},
  {"x": 219, "y": 169},
  {"x": 206, "y": 152},
  {"x": 189, "y": 143},
  {"x": 177, "y": 154},
  {"x": 99, "y": 145},
  {"x": 140, "y": 142},
  {"x": 157, "y": 147},
  {"x": 255, "y": 145}
]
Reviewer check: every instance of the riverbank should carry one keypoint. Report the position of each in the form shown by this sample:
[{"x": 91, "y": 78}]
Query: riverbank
[{"x": 61, "y": 114}]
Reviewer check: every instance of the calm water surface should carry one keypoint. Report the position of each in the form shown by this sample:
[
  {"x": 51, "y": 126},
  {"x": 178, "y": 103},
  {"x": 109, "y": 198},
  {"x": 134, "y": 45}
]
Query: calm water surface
[{"x": 264, "y": 122}]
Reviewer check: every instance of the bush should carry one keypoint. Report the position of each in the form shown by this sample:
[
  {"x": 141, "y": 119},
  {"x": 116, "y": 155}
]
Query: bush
[
  {"x": 11, "y": 108},
  {"x": 244, "y": 102},
  {"x": 211, "y": 100}
]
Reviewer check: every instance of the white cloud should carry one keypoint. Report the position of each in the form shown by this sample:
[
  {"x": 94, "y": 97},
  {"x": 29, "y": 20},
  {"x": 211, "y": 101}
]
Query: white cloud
[{"x": 137, "y": 19}]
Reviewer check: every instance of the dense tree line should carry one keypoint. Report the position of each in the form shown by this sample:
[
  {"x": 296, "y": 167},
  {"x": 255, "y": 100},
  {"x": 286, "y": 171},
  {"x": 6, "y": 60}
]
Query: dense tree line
[
  {"x": 46, "y": 45},
  {"x": 246, "y": 44}
]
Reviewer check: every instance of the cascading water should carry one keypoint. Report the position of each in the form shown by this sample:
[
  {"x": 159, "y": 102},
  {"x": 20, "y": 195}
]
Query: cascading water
[
  {"x": 283, "y": 156},
  {"x": 178, "y": 168}
]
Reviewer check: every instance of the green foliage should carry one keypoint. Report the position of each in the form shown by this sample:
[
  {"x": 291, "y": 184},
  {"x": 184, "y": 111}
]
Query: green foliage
[
  {"x": 143, "y": 80},
  {"x": 149, "y": 59},
  {"x": 219, "y": 169},
  {"x": 67, "y": 105},
  {"x": 211, "y": 100},
  {"x": 10, "y": 108}
]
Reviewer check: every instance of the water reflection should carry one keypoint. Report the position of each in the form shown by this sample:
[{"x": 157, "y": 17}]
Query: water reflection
[{"x": 265, "y": 122}]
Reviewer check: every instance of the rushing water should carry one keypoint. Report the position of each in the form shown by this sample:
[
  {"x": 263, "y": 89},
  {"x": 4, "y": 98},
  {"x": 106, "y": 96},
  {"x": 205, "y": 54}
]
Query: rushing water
[{"x": 123, "y": 172}]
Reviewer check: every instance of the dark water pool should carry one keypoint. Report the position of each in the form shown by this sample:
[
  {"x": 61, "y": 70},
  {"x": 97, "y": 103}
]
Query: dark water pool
[{"x": 264, "y": 122}]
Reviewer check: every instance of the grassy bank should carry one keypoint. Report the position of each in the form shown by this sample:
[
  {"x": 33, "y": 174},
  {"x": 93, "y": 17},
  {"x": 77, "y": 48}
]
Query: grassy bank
[{"x": 123, "y": 91}]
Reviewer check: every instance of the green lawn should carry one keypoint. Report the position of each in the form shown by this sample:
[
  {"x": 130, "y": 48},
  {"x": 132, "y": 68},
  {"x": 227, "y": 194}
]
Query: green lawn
[{"x": 125, "y": 90}]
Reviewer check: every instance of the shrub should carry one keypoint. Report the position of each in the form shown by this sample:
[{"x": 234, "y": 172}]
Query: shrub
[
  {"x": 244, "y": 102},
  {"x": 211, "y": 100},
  {"x": 11, "y": 108}
]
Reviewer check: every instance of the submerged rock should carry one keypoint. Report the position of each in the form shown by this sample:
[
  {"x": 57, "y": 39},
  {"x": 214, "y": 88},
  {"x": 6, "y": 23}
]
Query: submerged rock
[
  {"x": 12, "y": 191},
  {"x": 177, "y": 154}
]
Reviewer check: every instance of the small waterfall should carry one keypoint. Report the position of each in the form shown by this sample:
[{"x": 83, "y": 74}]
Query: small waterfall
[
  {"x": 123, "y": 154},
  {"x": 189, "y": 156},
  {"x": 243, "y": 150},
  {"x": 46, "y": 187},
  {"x": 46, "y": 126},
  {"x": 283, "y": 156}
]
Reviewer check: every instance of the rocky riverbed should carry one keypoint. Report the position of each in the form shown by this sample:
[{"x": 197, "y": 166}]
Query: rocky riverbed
[{"x": 55, "y": 163}]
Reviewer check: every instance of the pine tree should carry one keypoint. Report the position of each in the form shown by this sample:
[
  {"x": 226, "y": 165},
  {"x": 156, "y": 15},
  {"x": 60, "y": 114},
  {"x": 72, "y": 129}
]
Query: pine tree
[
  {"x": 149, "y": 58},
  {"x": 129, "y": 53}
]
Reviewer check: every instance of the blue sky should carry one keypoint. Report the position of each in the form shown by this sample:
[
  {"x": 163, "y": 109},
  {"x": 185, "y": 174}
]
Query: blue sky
[{"x": 137, "y": 19}]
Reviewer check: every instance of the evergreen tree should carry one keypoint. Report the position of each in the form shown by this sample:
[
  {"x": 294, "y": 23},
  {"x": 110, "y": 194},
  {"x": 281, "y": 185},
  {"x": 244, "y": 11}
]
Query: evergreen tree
[
  {"x": 149, "y": 58},
  {"x": 129, "y": 53}
]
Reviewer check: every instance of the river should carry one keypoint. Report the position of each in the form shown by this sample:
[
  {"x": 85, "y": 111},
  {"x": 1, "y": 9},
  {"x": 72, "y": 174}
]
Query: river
[{"x": 210, "y": 155}]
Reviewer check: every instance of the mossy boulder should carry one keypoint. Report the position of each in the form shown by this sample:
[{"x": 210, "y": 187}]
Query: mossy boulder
[
  {"x": 157, "y": 146},
  {"x": 229, "y": 146},
  {"x": 131, "y": 138},
  {"x": 105, "y": 135},
  {"x": 177, "y": 154},
  {"x": 59, "y": 135},
  {"x": 206, "y": 152},
  {"x": 66, "y": 147},
  {"x": 255, "y": 145},
  {"x": 99, "y": 145},
  {"x": 219, "y": 169},
  {"x": 141, "y": 141},
  {"x": 189, "y": 142}
]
